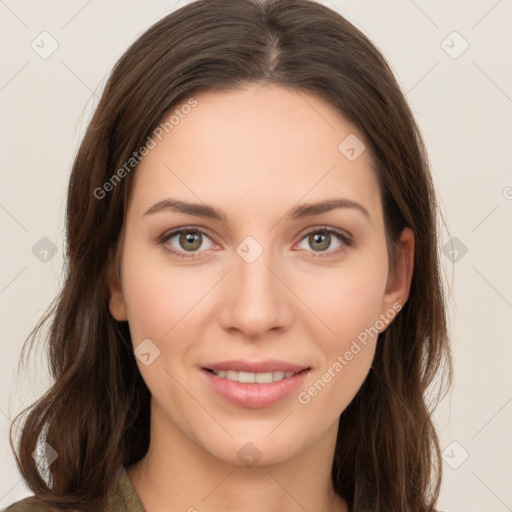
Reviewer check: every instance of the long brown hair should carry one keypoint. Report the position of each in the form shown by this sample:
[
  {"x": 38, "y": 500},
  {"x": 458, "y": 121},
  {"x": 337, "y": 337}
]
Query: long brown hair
[{"x": 96, "y": 414}]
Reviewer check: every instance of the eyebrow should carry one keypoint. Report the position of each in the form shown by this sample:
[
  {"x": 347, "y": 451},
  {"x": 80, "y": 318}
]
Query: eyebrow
[{"x": 299, "y": 212}]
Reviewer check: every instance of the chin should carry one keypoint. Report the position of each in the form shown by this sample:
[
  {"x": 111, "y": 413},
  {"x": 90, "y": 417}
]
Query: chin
[{"x": 254, "y": 450}]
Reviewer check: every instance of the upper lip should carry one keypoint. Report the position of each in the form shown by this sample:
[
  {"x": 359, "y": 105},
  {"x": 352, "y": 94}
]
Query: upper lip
[{"x": 268, "y": 365}]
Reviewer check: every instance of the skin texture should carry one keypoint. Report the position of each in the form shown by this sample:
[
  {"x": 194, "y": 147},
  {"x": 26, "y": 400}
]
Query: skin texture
[{"x": 253, "y": 153}]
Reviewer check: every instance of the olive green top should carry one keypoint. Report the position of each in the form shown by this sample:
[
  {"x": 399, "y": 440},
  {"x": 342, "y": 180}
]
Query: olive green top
[{"x": 123, "y": 499}]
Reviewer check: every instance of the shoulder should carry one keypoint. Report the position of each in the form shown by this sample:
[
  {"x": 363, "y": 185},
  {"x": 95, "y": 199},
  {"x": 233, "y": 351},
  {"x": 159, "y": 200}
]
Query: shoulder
[
  {"x": 30, "y": 504},
  {"x": 123, "y": 499}
]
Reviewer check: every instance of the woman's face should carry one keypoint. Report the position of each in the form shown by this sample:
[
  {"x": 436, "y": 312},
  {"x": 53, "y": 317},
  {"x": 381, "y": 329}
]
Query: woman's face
[{"x": 269, "y": 280}]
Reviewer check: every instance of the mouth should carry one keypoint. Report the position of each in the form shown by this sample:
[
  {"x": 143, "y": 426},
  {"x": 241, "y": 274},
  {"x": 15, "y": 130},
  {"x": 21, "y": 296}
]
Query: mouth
[
  {"x": 253, "y": 377},
  {"x": 255, "y": 385}
]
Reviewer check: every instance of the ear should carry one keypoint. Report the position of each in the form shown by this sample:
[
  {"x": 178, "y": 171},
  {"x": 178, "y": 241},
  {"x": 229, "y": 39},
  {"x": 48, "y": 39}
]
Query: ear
[
  {"x": 116, "y": 302},
  {"x": 399, "y": 278}
]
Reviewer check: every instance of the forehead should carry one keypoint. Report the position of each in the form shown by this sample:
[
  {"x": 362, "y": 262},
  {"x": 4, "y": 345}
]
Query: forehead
[{"x": 235, "y": 148}]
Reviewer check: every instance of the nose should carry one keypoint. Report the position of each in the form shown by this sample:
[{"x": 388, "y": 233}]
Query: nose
[{"x": 255, "y": 299}]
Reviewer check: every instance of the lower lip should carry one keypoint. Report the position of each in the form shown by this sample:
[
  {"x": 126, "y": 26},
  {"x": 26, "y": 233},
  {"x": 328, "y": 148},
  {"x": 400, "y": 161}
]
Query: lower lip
[{"x": 253, "y": 395}]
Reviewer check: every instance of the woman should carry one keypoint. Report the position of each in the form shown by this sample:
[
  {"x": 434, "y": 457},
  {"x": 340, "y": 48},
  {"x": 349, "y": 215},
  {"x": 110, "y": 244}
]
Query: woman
[{"x": 253, "y": 311}]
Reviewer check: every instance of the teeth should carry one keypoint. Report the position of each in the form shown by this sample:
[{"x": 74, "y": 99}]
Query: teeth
[{"x": 248, "y": 377}]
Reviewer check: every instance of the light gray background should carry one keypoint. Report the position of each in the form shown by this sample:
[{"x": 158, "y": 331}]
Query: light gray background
[{"x": 463, "y": 104}]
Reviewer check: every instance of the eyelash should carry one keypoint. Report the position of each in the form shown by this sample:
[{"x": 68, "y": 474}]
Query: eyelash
[{"x": 346, "y": 242}]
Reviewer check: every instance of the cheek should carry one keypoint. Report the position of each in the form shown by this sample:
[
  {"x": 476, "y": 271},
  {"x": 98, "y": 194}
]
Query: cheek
[
  {"x": 165, "y": 306},
  {"x": 351, "y": 301},
  {"x": 156, "y": 298},
  {"x": 160, "y": 308},
  {"x": 348, "y": 350},
  {"x": 149, "y": 306},
  {"x": 349, "y": 306}
]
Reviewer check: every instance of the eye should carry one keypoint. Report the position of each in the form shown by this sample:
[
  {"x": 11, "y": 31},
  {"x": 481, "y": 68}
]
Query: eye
[
  {"x": 320, "y": 239},
  {"x": 187, "y": 242}
]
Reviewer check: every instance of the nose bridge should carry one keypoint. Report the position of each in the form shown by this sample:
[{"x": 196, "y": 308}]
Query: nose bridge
[{"x": 258, "y": 301}]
